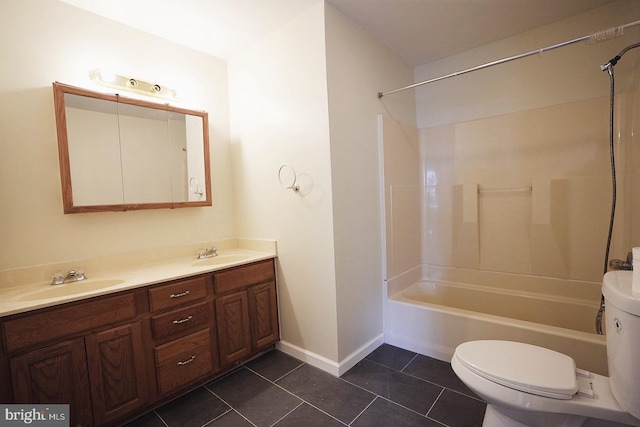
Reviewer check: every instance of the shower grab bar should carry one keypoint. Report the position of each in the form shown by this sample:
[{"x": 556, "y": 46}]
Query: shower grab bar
[
  {"x": 505, "y": 190},
  {"x": 594, "y": 38}
]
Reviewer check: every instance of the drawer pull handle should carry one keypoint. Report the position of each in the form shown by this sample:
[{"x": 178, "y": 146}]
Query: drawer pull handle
[
  {"x": 180, "y": 295},
  {"x": 185, "y": 320},
  {"x": 186, "y": 362}
]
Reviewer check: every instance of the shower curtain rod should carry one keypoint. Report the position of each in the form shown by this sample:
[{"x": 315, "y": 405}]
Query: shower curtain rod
[{"x": 594, "y": 38}]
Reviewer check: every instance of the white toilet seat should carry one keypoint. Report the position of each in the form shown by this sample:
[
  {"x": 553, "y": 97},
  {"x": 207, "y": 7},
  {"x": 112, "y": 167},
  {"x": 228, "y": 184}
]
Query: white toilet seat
[
  {"x": 522, "y": 367},
  {"x": 603, "y": 405}
]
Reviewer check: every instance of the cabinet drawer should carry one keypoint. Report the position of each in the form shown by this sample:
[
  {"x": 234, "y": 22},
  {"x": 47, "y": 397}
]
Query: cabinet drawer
[
  {"x": 183, "y": 360},
  {"x": 67, "y": 320},
  {"x": 181, "y": 320},
  {"x": 244, "y": 276},
  {"x": 177, "y": 293}
]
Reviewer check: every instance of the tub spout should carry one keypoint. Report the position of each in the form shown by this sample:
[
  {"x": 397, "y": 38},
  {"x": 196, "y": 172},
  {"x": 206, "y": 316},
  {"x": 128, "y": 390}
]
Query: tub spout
[{"x": 618, "y": 264}]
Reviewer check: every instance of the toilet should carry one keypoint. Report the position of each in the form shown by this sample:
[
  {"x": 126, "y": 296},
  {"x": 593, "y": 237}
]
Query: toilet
[{"x": 527, "y": 385}]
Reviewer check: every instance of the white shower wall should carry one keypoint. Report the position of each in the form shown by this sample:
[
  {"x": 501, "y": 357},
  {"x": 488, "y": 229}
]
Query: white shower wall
[
  {"x": 513, "y": 161},
  {"x": 523, "y": 193}
]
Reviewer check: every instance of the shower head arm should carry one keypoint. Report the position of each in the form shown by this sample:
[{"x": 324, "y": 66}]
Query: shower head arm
[{"x": 613, "y": 61}]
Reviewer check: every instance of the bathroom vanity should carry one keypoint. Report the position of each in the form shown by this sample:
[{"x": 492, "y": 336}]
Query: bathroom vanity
[{"x": 114, "y": 356}]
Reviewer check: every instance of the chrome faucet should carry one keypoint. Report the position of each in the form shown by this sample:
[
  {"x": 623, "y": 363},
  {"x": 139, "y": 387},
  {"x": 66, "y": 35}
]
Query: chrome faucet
[
  {"x": 208, "y": 252},
  {"x": 72, "y": 276},
  {"x": 618, "y": 264}
]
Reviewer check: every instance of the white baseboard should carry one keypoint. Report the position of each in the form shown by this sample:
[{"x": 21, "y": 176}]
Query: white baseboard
[
  {"x": 334, "y": 368},
  {"x": 351, "y": 360},
  {"x": 312, "y": 359}
]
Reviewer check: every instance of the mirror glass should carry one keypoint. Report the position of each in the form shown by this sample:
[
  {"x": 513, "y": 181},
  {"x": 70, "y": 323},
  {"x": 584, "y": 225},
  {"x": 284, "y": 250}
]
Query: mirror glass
[{"x": 122, "y": 154}]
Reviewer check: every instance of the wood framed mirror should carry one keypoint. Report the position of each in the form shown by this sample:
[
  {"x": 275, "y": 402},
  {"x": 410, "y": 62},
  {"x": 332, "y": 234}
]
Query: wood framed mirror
[{"x": 119, "y": 154}]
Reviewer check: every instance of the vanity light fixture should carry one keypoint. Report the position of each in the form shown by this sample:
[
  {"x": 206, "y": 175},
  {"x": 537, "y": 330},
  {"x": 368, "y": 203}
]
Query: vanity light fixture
[{"x": 131, "y": 84}]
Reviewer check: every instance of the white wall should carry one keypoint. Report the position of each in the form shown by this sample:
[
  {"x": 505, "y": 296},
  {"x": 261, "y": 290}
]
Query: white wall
[
  {"x": 306, "y": 96},
  {"x": 278, "y": 102},
  {"x": 46, "y": 41},
  {"x": 358, "y": 67}
]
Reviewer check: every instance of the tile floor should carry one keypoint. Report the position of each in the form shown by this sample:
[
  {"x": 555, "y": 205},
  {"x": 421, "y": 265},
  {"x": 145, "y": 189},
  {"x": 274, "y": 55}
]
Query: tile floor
[{"x": 390, "y": 387}]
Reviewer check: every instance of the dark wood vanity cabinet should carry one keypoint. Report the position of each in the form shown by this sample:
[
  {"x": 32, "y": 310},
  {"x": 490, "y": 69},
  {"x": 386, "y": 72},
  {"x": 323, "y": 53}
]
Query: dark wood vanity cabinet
[
  {"x": 183, "y": 328},
  {"x": 71, "y": 354},
  {"x": 116, "y": 356},
  {"x": 101, "y": 375},
  {"x": 263, "y": 315},
  {"x": 55, "y": 374},
  {"x": 232, "y": 313},
  {"x": 117, "y": 372},
  {"x": 246, "y": 310}
]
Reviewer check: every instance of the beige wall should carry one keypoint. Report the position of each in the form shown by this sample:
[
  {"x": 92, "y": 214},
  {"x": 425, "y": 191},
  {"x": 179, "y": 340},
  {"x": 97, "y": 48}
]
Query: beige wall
[
  {"x": 560, "y": 76},
  {"x": 298, "y": 97},
  {"x": 46, "y": 41},
  {"x": 515, "y": 158}
]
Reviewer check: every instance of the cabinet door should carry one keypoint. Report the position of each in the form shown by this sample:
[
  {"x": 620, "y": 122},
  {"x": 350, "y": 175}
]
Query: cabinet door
[
  {"x": 55, "y": 374},
  {"x": 232, "y": 314},
  {"x": 263, "y": 315},
  {"x": 116, "y": 371}
]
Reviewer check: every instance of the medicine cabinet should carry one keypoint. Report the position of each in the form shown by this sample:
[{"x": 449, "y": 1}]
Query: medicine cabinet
[{"x": 119, "y": 154}]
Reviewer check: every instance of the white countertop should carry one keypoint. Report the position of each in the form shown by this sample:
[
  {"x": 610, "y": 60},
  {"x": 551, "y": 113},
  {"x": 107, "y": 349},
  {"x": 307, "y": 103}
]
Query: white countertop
[{"x": 30, "y": 297}]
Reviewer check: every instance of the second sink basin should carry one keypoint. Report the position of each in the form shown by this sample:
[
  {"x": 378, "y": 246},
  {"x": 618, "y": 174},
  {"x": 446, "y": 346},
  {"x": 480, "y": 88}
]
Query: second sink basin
[
  {"x": 221, "y": 259},
  {"x": 55, "y": 291}
]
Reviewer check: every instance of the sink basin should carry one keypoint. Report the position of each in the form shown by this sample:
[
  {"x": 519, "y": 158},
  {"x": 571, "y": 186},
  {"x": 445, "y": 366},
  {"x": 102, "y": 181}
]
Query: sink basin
[
  {"x": 55, "y": 291},
  {"x": 221, "y": 259}
]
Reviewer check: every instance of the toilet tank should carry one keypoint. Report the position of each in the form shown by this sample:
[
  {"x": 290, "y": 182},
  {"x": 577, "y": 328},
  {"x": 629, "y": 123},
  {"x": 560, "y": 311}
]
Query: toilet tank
[{"x": 622, "y": 316}]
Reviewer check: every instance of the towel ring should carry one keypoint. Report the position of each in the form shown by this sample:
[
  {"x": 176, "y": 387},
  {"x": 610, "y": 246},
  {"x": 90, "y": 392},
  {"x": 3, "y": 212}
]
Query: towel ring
[
  {"x": 294, "y": 184},
  {"x": 195, "y": 189}
]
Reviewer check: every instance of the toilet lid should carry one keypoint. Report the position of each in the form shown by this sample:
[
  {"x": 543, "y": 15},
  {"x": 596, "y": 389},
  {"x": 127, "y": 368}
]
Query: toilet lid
[{"x": 520, "y": 366}]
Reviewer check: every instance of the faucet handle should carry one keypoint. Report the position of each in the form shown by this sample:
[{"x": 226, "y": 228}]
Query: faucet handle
[
  {"x": 79, "y": 273},
  {"x": 57, "y": 278}
]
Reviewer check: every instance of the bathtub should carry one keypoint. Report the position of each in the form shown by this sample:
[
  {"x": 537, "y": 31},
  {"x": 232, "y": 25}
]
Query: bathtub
[{"x": 437, "y": 311}]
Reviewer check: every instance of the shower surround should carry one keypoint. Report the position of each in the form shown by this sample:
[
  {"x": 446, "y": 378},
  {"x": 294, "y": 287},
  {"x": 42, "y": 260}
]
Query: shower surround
[{"x": 508, "y": 177}]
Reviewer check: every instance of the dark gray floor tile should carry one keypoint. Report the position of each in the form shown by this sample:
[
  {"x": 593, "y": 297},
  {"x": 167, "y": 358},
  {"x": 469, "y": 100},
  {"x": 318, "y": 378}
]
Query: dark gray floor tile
[
  {"x": 383, "y": 413},
  {"x": 193, "y": 409},
  {"x": 274, "y": 365},
  {"x": 396, "y": 386},
  {"x": 230, "y": 419},
  {"x": 457, "y": 410},
  {"x": 438, "y": 372},
  {"x": 148, "y": 420},
  {"x": 393, "y": 357},
  {"x": 326, "y": 392},
  {"x": 257, "y": 399},
  {"x": 308, "y": 416}
]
